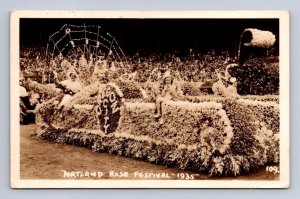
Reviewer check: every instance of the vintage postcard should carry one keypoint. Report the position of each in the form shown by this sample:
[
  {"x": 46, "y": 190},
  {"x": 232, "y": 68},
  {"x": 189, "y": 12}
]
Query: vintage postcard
[{"x": 149, "y": 99}]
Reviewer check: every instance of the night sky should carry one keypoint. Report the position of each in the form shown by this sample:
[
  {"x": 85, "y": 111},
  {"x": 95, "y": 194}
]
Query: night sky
[{"x": 155, "y": 35}]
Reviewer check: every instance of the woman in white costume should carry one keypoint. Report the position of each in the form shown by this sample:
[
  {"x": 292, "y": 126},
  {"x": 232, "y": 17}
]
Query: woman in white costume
[{"x": 70, "y": 86}]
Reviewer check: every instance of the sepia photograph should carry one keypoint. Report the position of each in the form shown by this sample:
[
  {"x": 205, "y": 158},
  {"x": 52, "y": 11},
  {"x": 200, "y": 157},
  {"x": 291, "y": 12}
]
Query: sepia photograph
[{"x": 149, "y": 99}]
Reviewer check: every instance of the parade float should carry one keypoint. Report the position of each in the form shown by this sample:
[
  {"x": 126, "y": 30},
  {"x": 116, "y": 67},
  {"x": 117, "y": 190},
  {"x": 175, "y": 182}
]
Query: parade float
[{"x": 217, "y": 134}]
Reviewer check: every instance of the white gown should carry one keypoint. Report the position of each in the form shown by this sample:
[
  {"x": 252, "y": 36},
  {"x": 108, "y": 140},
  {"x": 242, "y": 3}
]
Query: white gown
[{"x": 74, "y": 86}]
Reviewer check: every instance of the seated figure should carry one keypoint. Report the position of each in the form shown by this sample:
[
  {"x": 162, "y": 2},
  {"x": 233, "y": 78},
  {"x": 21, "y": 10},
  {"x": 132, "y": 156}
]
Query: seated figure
[
  {"x": 70, "y": 86},
  {"x": 170, "y": 91}
]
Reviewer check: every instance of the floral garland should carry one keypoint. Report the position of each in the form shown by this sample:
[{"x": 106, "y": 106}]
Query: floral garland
[
  {"x": 259, "y": 103},
  {"x": 227, "y": 129},
  {"x": 139, "y": 105},
  {"x": 192, "y": 106},
  {"x": 264, "y": 98}
]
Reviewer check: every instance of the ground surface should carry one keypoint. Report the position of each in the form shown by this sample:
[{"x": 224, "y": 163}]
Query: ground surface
[{"x": 45, "y": 160}]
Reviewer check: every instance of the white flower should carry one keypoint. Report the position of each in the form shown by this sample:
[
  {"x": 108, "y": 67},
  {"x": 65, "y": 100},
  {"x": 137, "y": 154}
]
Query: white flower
[{"x": 232, "y": 79}]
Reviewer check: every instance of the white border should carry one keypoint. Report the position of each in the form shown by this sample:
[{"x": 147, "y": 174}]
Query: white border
[{"x": 16, "y": 182}]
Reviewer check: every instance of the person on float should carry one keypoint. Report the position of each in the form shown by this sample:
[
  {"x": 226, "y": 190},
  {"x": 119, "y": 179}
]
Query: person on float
[
  {"x": 112, "y": 72},
  {"x": 178, "y": 81},
  {"x": 152, "y": 84},
  {"x": 170, "y": 91},
  {"x": 23, "y": 100},
  {"x": 226, "y": 85},
  {"x": 25, "y": 105},
  {"x": 219, "y": 87},
  {"x": 231, "y": 90},
  {"x": 34, "y": 98},
  {"x": 90, "y": 61},
  {"x": 70, "y": 86},
  {"x": 100, "y": 69}
]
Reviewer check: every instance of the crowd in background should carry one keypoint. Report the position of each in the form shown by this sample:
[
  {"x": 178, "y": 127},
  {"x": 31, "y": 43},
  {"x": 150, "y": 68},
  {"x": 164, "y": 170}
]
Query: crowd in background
[
  {"x": 260, "y": 76},
  {"x": 195, "y": 67}
]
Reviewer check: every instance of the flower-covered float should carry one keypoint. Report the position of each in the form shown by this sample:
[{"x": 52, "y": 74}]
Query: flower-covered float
[{"x": 219, "y": 134}]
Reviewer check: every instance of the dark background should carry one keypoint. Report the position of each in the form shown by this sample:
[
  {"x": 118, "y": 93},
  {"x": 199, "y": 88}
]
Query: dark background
[{"x": 156, "y": 35}]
